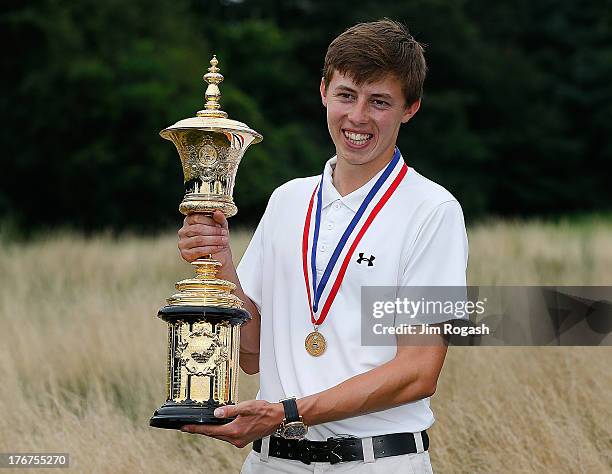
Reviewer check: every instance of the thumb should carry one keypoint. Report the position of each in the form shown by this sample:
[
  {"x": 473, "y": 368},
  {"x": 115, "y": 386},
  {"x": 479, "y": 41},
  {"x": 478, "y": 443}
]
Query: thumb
[
  {"x": 242, "y": 408},
  {"x": 227, "y": 411},
  {"x": 219, "y": 218}
]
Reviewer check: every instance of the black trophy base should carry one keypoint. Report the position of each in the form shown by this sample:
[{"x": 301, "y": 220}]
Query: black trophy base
[{"x": 174, "y": 416}]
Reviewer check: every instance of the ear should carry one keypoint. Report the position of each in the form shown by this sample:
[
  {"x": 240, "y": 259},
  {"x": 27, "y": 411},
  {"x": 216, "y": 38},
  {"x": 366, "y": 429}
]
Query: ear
[
  {"x": 411, "y": 110},
  {"x": 323, "y": 92}
]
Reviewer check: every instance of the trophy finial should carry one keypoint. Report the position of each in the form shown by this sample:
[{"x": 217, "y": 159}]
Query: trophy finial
[
  {"x": 213, "y": 65},
  {"x": 212, "y": 108}
]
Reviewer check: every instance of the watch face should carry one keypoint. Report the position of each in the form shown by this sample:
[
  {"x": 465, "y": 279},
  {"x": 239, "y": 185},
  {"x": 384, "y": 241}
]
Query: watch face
[{"x": 295, "y": 430}]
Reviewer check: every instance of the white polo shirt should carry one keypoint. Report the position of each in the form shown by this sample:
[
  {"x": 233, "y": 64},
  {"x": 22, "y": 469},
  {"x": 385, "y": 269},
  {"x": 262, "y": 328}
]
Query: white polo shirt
[{"x": 417, "y": 239}]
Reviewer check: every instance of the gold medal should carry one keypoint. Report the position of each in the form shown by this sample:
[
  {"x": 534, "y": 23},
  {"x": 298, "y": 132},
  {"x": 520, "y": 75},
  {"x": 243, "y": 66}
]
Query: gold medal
[{"x": 315, "y": 343}]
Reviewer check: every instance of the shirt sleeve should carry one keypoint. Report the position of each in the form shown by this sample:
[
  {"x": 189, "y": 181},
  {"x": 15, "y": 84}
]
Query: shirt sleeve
[
  {"x": 439, "y": 254},
  {"x": 249, "y": 269},
  {"x": 434, "y": 275}
]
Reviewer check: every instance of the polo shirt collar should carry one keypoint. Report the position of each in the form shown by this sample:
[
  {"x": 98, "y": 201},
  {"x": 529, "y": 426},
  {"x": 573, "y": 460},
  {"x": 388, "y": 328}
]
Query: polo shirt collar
[{"x": 352, "y": 200}]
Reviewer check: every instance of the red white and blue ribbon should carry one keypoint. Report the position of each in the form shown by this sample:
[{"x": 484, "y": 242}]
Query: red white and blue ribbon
[{"x": 318, "y": 288}]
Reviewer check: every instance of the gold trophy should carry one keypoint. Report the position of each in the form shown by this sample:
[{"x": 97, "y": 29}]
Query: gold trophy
[{"x": 204, "y": 317}]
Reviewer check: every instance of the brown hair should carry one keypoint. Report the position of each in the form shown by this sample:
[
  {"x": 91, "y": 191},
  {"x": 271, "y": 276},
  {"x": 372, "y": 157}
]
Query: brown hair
[{"x": 369, "y": 51}]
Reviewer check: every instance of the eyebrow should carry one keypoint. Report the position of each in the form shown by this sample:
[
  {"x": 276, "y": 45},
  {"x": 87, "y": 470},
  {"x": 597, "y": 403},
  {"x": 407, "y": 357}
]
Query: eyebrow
[
  {"x": 345, "y": 88},
  {"x": 383, "y": 96},
  {"x": 378, "y": 96}
]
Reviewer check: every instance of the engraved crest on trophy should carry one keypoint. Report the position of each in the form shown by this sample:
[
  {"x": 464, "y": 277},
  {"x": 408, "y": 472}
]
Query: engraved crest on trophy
[{"x": 201, "y": 353}]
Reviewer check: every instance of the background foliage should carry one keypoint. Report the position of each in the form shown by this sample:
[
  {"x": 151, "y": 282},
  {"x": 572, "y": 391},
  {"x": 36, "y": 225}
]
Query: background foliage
[{"x": 514, "y": 120}]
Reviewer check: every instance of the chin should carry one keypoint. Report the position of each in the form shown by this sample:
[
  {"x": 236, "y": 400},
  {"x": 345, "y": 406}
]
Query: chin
[
  {"x": 357, "y": 162},
  {"x": 357, "y": 157}
]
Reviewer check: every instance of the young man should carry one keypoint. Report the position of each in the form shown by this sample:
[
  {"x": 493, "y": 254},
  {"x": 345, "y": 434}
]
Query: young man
[{"x": 369, "y": 220}]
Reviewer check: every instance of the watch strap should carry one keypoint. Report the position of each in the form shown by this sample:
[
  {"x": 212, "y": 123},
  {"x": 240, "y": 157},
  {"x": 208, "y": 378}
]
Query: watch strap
[{"x": 291, "y": 410}]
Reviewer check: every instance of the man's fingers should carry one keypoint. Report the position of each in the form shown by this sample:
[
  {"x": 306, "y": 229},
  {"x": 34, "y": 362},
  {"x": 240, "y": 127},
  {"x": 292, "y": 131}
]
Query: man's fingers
[
  {"x": 228, "y": 411},
  {"x": 199, "y": 218},
  {"x": 217, "y": 219},
  {"x": 190, "y": 243},
  {"x": 200, "y": 429},
  {"x": 193, "y": 429},
  {"x": 220, "y": 219},
  {"x": 219, "y": 432},
  {"x": 225, "y": 432},
  {"x": 201, "y": 230},
  {"x": 192, "y": 254}
]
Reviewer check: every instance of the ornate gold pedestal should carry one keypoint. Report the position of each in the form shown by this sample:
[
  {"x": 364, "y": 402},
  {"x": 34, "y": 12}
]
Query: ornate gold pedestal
[{"x": 204, "y": 317}]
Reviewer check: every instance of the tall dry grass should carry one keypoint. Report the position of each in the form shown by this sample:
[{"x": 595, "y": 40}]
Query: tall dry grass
[{"x": 82, "y": 359}]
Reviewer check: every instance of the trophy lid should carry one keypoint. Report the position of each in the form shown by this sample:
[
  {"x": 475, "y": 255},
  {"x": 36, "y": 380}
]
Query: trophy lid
[{"x": 212, "y": 118}]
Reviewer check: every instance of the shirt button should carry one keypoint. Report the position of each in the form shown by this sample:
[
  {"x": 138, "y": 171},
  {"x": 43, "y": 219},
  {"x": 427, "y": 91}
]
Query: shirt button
[
  {"x": 322, "y": 248},
  {"x": 330, "y": 226},
  {"x": 336, "y": 206}
]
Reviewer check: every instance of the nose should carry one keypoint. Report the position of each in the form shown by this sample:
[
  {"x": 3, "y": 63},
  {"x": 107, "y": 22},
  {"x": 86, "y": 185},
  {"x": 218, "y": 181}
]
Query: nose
[{"x": 359, "y": 112}]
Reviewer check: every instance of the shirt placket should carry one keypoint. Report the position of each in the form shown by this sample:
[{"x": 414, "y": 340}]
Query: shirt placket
[{"x": 332, "y": 220}]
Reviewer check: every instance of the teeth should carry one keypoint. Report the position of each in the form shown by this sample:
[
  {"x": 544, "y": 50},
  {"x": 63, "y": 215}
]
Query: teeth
[{"x": 357, "y": 137}]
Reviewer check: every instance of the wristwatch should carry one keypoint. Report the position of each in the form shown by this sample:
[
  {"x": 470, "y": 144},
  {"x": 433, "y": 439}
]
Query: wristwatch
[{"x": 292, "y": 426}]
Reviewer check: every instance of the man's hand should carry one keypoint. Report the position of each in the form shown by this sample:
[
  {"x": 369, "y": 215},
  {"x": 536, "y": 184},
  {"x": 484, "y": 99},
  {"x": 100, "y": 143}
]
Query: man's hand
[
  {"x": 255, "y": 419},
  {"x": 203, "y": 235}
]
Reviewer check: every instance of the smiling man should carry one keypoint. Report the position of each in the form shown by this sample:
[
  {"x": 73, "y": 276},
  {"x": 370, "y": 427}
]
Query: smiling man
[{"x": 368, "y": 220}]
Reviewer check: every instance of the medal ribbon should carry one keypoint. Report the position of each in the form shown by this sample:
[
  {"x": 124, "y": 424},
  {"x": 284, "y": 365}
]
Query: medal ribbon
[{"x": 318, "y": 289}]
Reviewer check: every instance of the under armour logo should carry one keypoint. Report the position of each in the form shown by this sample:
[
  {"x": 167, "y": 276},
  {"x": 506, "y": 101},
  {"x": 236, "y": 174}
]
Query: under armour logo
[{"x": 362, "y": 259}]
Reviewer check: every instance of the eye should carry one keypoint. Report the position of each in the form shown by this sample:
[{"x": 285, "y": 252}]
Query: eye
[
  {"x": 345, "y": 95},
  {"x": 381, "y": 103}
]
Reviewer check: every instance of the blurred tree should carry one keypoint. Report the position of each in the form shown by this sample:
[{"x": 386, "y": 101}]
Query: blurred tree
[
  {"x": 92, "y": 83},
  {"x": 514, "y": 119}
]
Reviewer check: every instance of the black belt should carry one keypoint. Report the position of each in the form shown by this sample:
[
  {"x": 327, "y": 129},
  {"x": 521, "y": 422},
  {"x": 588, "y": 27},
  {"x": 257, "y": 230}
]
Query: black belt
[{"x": 336, "y": 450}]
